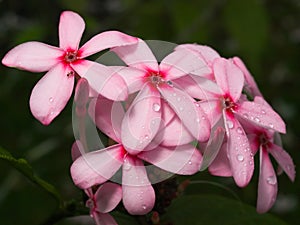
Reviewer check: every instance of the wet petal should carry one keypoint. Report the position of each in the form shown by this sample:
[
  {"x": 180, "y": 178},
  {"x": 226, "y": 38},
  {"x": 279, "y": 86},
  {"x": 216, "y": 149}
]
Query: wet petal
[
  {"x": 108, "y": 116},
  {"x": 102, "y": 79},
  {"x": 71, "y": 27},
  {"x": 262, "y": 115},
  {"x": 183, "y": 159},
  {"x": 213, "y": 110},
  {"x": 51, "y": 94},
  {"x": 191, "y": 115},
  {"x": 142, "y": 120},
  {"x": 138, "y": 55},
  {"x": 138, "y": 193},
  {"x": 267, "y": 184},
  {"x": 181, "y": 63},
  {"x": 108, "y": 197},
  {"x": 96, "y": 167},
  {"x": 33, "y": 56},
  {"x": 229, "y": 77},
  {"x": 106, "y": 40},
  {"x": 284, "y": 160},
  {"x": 239, "y": 152}
]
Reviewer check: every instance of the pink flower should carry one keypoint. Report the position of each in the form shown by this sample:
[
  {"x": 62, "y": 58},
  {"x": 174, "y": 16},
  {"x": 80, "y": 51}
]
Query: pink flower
[
  {"x": 52, "y": 92},
  {"x": 97, "y": 167},
  {"x": 153, "y": 82}
]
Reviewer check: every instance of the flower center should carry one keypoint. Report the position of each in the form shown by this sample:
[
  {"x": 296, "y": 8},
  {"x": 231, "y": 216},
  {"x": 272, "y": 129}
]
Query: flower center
[
  {"x": 264, "y": 141},
  {"x": 228, "y": 104},
  {"x": 156, "y": 78},
  {"x": 70, "y": 56}
]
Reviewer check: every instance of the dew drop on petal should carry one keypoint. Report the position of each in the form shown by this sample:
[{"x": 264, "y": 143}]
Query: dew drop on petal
[
  {"x": 190, "y": 162},
  {"x": 50, "y": 99},
  {"x": 263, "y": 112},
  {"x": 257, "y": 119},
  {"x": 51, "y": 113},
  {"x": 271, "y": 180},
  {"x": 229, "y": 124},
  {"x": 197, "y": 104},
  {"x": 178, "y": 99},
  {"x": 271, "y": 125},
  {"x": 144, "y": 207},
  {"x": 170, "y": 83},
  {"x": 156, "y": 107},
  {"x": 198, "y": 120},
  {"x": 181, "y": 108},
  {"x": 239, "y": 130},
  {"x": 240, "y": 158},
  {"x": 174, "y": 94}
]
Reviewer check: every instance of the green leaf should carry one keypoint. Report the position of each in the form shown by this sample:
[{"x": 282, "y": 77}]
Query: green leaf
[
  {"x": 24, "y": 167},
  {"x": 209, "y": 209}
]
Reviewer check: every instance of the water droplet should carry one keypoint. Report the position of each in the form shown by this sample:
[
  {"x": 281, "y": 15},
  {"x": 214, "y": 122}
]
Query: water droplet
[
  {"x": 198, "y": 120},
  {"x": 271, "y": 125},
  {"x": 190, "y": 162},
  {"x": 126, "y": 166},
  {"x": 181, "y": 108},
  {"x": 170, "y": 83},
  {"x": 174, "y": 94},
  {"x": 263, "y": 112},
  {"x": 257, "y": 119},
  {"x": 197, "y": 104},
  {"x": 156, "y": 107},
  {"x": 203, "y": 118},
  {"x": 250, "y": 162},
  {"x": 271, "y": 180},
  {"x": 146, "y": 136},
  {"x": 239, "y": 130},
  {"x": 51, "y": 113},
  {"x": 230, "y": 124},
  {"x": 144, "y": 207},
  {"x": 246, "y": 115},
  {"x": 51, "y": 100},
  {"x": 178, "y": 99},
  {"x": 240, "y": 158}
]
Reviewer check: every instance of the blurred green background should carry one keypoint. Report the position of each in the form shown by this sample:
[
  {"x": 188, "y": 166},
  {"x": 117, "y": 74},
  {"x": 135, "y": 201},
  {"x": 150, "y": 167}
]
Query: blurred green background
[{"x": 264, "y": 33}]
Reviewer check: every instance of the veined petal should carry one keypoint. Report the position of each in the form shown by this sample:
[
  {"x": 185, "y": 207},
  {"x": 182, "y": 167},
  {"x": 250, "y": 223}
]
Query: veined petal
[
  {"x": 191, "y": 115},
  {"x": 284, "y": 160},
  {"x": 108, "y": 197},
  {"x": 33, "y": 56},
  {"x": 262, "y": 115},
  {"x": 108, "y": 116},
  {"x": 183, "y": 159},
  {"x": 267, "y": 184},
  {"x": 96, "y": 167},
  {"x": 106, "y": 40},
  {"x": 229, "y": 77},
  {"x": 138, "y": 193},
  {"x": 239, "y": 152},
  {"x": 142, "y": 120},
  {"x": 51, "y": 94},
  {"x": 181, "y": 63},
  {"x": 102, "y": 79},
  {"x": 71, "y": 27},
  {"x": 138, "y": 55}
]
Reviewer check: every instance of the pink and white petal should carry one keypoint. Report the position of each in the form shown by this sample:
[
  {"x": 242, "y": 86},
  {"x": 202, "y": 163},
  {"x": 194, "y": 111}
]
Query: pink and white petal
[
  {"x": 71, "y": 27},
  {"x": 102, "y": 79},
  {"x": 108, "y": 197},
  {"x": 229, "y": 77},
  {"x": 267, "y": 184},
  {"x": 239, "y": 152},
  {"x": 250, "y": 84},
  {"x": 220, "y": 166},
  {"x": 191, "y": 115},
  {"x": 106, "y": 40},
  {"x": 202, "y": 51},
  {"x": 262, "y": 115},
  {"x": 77, "y": 150},
  {"x": 108, "y": 116},
  {"x": 96, "y": 167},
  {"x": 212, "y": 149},
  {"x": 198, "y": 87},
  {"x": 213, "y": 110},
  {"x": 142, "y": 120},
  {"x": 183, "y": 159},
  {"x": 51, "y": 94},
  {"x": 103, "y": 219},
  {"x": 33, "y": 56},
  {"x": 138, "y": 55},
  {"x": 181, "y": 63},
  {"x": 133, "y": 77},
  {"x": 284, "y": 160},
  {"x": 138, "y": 193}
]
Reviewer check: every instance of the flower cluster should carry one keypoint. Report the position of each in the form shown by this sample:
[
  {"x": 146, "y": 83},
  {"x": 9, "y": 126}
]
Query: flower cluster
[{"x": 191, "y": 111}]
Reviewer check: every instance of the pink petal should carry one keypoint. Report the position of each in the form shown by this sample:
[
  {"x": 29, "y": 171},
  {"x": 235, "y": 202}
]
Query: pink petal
[
  {"x": 33, "y": 56},
  {"x": 213, "y": 110},
  {"x": 96, "y": 167},
  {"x": 221, "y": 166},
  {"x": 181, "y": 63},
  {"x": 229, "y": 77},
  {"x": 202, "y": 51},
  {"x": 267, "y": 184},
  {"x": 284, "y": 160},
  {"x": 51, "y": 94},
  {"x": 108, "y": 116},
  {"x": 138, "y": 55},
  {"x": 142, "y": 120},
  {"x": 106, "y": 40},
  {"x": 81, "y": 97},
  {"x": 250, "y": 83},
  {"x": 71, "y": 27},
  {"x": 183, "y": 159},
  {"x": 102, "y": 79},
  {"x": 77, "y": 150},
  {"x": 103, "y": 219},
  {"x": 262, "y": 115},
  {"x": 191, "y": 115},
  {"x": 138, "y": 194},
  {"x": 108, "y": 197},
  {"x": 239, "y": 152}
]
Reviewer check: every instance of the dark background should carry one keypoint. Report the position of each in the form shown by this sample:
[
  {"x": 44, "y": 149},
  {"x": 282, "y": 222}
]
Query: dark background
[{"x": 265, "y": 34}]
